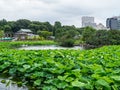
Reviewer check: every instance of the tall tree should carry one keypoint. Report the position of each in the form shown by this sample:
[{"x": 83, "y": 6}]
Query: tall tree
[
  {"x": 101, "y": 38},
  {"x": 88, "y": 34},
  {"x": 57, "y": 26},
  {"x": 114, "y": 36},
  {"x": 7, "y": 28},
  {"x": 21, "y": 23},
  {"x": 49, "y": 26},
  {"x": 44, "y": 34},
  {"x": 1, "y": 33},
  {"x": 3, "y": 22}
]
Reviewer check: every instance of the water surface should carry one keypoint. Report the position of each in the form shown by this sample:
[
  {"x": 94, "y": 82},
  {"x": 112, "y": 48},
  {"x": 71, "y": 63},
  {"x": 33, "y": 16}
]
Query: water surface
[
  {"x": 11, "y": 86},
  {"x": 47, "y": 47}
]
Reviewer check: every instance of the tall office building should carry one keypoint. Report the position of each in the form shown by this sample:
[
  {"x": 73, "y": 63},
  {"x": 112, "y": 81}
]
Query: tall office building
[
  {"x": 88, "y": 21},
  {"x": 113, "y": 23}
]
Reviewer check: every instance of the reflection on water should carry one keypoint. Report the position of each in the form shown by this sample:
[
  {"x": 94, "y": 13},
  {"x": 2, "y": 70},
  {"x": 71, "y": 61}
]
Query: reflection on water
[
  {"x": 51, "y": 47},
  {"x": 11, "y": 86}
]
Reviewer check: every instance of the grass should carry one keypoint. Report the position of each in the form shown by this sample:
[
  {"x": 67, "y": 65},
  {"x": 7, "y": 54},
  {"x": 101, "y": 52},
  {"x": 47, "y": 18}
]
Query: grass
[{"x": 10, "y": 45}]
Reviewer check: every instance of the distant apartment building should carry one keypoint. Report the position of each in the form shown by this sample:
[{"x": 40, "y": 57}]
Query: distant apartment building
[
  {"x": 113, "y": 23},
  {"x": 88, "y": 21},
  {"x": 100, "y": 26}
]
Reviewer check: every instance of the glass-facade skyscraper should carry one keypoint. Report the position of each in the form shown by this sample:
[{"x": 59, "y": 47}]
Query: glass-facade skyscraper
[{"x": 113, "y": 23}]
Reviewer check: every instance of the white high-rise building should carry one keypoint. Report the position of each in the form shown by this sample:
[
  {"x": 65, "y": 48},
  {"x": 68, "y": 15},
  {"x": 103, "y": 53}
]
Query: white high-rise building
[{"x": 88, "y": 21}]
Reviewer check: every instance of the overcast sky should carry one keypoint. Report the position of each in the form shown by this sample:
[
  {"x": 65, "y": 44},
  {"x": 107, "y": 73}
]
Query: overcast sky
[{"x": 68, "y": 12}]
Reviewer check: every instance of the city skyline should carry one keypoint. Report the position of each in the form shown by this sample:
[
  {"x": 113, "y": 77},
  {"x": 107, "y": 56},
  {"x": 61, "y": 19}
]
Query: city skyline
[
  {"x": 68, "y": 12},
  {"x": 90, "y": 21}
]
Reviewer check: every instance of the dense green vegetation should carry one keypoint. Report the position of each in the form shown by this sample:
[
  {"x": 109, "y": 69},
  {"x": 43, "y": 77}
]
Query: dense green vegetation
[
  {"x": 67, "y": 35},
  {"x": 35, "y": 26},
  {"x": 14, "y": 26},
  {"x": 101, "y": 37},
  {"x": 63, "y": 34},
  {"x": 96, "y": 69},
  {"x": 43, "y": 29},
  {"x": 63, "y": 69}
]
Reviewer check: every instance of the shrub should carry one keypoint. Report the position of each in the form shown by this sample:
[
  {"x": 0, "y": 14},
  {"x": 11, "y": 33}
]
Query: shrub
[{"x": 68, "y": 43}]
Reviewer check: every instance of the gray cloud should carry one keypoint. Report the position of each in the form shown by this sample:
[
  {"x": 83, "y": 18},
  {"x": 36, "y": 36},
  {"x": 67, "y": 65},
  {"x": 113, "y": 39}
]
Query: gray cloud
[
  {"x": 50, "y": 1},
  {"x": 72, "y": 11},
  {"x": 67, "y": 11}
]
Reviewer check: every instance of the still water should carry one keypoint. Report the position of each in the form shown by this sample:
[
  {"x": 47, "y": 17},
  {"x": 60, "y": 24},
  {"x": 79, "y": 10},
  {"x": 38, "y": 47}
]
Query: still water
[
  {"x": 47, "y": 47},
  {"x": 11, "y": 86}
]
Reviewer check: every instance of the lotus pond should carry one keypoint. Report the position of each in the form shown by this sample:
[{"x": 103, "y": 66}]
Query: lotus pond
[{"x": 97, "y": 69}]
